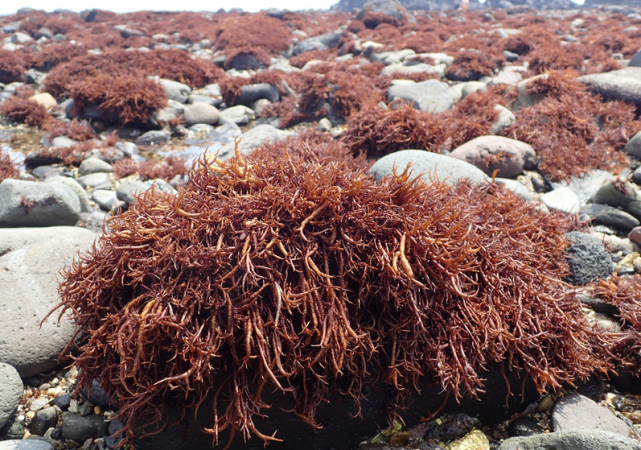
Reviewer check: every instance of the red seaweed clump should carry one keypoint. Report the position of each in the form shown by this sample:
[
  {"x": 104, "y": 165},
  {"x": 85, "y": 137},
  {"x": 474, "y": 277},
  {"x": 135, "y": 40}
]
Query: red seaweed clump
[
  {"x": 123, "y": 100},
  {"x": 22, "y": 109},
  {"x": 290, "y": 272},
  {"x": 151, "y": 170}
]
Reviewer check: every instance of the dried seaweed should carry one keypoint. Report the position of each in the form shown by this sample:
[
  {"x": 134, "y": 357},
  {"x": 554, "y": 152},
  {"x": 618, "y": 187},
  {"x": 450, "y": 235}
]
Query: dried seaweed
[
  {"x": 24, "y": 110},
  {"x": 7, "y": 168},
  {"x": 298, "y": 274},
  {"x": 151, "y": 170}
]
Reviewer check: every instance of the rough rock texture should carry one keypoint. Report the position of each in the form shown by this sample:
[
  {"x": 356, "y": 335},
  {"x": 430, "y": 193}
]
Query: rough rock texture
[
  {"x": 572, "y": 440},
  {"x": 490, "y": 153},
  {"x": 29, "y": 292},
  {"x": 10, "y": 392},
  {"x": 31, "y": 204},
  {"x": 577, "y": 412},
  {"x": 433, "y": 165},
  {"x": 588, "y": 259},
  {"x": 25, "y": 444}
]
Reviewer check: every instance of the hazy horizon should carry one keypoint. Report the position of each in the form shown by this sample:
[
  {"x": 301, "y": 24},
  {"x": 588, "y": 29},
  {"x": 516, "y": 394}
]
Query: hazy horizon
[{"x": 121, "y": 6}]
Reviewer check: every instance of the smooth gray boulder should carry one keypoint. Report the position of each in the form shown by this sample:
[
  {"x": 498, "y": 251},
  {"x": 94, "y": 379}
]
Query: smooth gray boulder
[
  {"x": 609, "y": 216},
  {"x": 623, "y": 84},
  {"x": 392, "y": 57},
  {"x": 105, "y": 199},
  {"x": 577, "y": 412},
  {"x": 153, "y": 137},
  {"x": 430, "y": 166},
  {"x": 75, "y": 186},
  {"x": 322, "y": 42},
  {"x": 201, "y": 113},
  {"x": 78, "y": 428},
  {"x": 515, "y": 186},
  {"x": 257, "y": 136},
  {"x": 624, "y": 195},
  {"x": 10, "y": 392},
  {"x": 28, "y": 277},
  {"x": 572, "y": 440},
  {"x": 98, "y": 180},
  {"x": 239, "y": 114},
  {"x": 633, "y": 147},
  {"x": 12, "y": 239},
  {"x": 252, "y": 92},
  {"x": 506, "y": 118},
  {"x": 175, "y": 90},
  {"x": 508, "y": 157},
  {"x": 33, "y": 204},
  {"x": 430, "y": 95},
  {"x": 94, "y": 164},
  {"x": 636, "y": 60},
  {"x": 129, "y": 189}
]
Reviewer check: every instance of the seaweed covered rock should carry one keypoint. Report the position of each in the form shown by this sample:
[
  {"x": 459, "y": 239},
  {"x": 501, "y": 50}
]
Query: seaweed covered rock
[{"x": 293, "y": 273}]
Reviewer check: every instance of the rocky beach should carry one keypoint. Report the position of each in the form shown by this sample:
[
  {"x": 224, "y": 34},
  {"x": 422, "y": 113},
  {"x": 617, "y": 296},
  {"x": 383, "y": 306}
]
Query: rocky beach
[{"x": 386, "y": 226}]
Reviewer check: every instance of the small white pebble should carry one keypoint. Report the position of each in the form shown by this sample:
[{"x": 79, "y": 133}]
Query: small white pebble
[{"x": 31, "y": 415}]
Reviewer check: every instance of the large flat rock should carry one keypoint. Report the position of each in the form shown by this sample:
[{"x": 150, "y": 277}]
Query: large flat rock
[
  {"x": 624, "y": 84},
  {"x": 28, "y": 278}
]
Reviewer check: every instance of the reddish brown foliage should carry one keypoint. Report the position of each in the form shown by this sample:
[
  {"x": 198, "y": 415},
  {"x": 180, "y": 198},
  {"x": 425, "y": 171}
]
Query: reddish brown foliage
[
  {"x": 55, "y": 54},
  {"x": 472, "y": 65},
  {"x": 253, "y": 30},
  {"x": 625, "y": 294},
  {"x": 320, "y": 55},
  {"x": 572, "y": 131},
  {"x": 376, "y": 131},
  {"x": 424, "y": 42},
  {"x": 151, "y": 170},
  {"x": 171, "y": 64},
  {"x": 553, "y": 58},
  {"x": 358, "y": 281},
  {"x": 122, "y": 99},
  {"x": 23, "y": 110},
  {"x": 75, "y": 130},
  {"x": 354, "y": 26},
  {"x": 7, "y": 168}
]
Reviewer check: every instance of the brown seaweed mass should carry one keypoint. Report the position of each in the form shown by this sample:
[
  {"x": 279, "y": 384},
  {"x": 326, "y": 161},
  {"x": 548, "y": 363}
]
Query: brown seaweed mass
[{"x": 293, "y": 272}]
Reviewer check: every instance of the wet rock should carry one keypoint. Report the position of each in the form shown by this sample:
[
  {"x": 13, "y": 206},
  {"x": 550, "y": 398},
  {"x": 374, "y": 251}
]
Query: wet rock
[
  {"x": 572, "y": 440},
  {"x": 588, "y": 259},
  {"x": 32, "y": 204},
  {"x": 524, "y": 426},
  {"x": 433, "y": 165},
  {"x": 153, "y": 137},
  {"x": 489, "y": 153},
  {"x": 96, "y": 395},
  {"x": 576, "y": 412},
  {"x": 30, "y": 274},
  {"x": 430, "y": 95},
  {"x": 10, "y": 392},
  {"x": 609, "y": 216},
  {"x": 252, "y": 92},
  {"x": 79, "y": 429},
  {"x": 63, "y": 401},
  {"x": 44, "y": 419},
  {"x": 245, "y": 61}
]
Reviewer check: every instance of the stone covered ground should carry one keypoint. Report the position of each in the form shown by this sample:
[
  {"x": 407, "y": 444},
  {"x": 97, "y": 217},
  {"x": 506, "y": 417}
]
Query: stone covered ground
[{"x": 96, "y": 108}]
